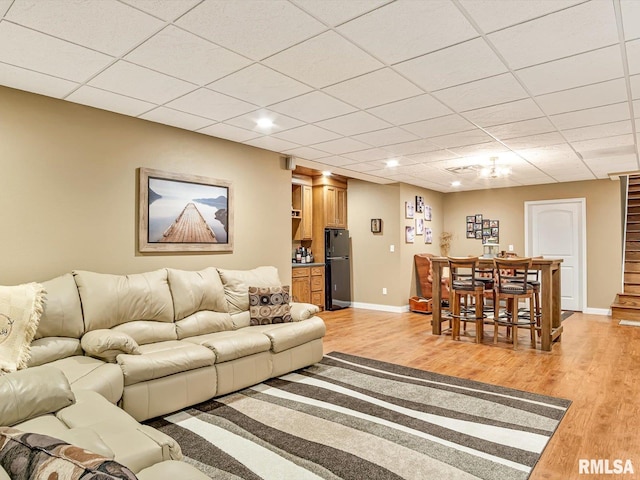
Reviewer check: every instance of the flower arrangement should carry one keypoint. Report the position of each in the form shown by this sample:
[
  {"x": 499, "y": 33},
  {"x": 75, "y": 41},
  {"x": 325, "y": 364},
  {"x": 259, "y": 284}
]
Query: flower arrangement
[{"x": 445, "y": 243}]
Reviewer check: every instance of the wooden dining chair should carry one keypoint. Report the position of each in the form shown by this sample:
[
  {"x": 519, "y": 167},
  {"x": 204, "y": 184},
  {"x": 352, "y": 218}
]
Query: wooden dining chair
[
  {"x": 512, "y": 286},
  {"x": 464, "y": 284}
]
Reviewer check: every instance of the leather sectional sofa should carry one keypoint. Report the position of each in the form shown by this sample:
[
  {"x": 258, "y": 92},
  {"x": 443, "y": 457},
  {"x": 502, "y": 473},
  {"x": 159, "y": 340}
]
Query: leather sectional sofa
[{"x": 156, "y": 342}]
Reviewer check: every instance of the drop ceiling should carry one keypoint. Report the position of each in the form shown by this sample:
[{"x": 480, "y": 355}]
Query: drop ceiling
[{"x": 551, "y": 88}]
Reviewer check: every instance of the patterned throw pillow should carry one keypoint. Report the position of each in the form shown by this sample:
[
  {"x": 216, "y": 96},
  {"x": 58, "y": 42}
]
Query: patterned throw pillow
[
  {"x": 30, "y": 455},
  {"x": 269, "y": 305}
]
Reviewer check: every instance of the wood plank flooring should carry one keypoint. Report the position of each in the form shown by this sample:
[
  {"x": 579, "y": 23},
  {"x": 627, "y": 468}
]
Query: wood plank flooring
[{"x": 596, "y": 365}]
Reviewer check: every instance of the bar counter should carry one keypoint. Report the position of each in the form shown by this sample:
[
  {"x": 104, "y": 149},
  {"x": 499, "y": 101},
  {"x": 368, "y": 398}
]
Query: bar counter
[{"x": 551, "y": 321}]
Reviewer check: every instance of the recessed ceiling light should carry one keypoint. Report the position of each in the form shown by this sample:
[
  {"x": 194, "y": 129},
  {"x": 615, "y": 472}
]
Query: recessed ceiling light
[
  {"x": 264, "y": 123},
  {"x": 456, "y": 183},
  {"x": 326, "y": 173},
  {"x": 393, "y": 163}
]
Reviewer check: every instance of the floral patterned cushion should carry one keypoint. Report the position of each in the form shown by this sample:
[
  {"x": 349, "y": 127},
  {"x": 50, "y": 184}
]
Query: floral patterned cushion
[
  {"x": 269, "y": 305},
  {"x": 26, "y": 456}
]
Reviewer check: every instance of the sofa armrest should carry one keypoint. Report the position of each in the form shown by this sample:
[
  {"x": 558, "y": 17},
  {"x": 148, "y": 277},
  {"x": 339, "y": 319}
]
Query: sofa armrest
[
  {"x": 303, "y": 311},
  {"x": 107, "y": 344},
  {"x": 170, "y": 448}
]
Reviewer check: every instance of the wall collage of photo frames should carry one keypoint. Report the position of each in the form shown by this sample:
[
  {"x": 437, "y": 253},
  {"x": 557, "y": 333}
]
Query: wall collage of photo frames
[
  {"x": 420, "y": 213},
  {"x": 483, "y": 229}
]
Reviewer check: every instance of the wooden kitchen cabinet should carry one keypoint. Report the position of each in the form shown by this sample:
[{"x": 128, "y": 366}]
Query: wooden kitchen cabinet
[
  {"x": 329, "y": 210},
  {"x": 302, "y": 212},
  {"x": 307, "y": 285},
  {"x": 317, "y": 286},
  {"x": 335, "y": 206}
]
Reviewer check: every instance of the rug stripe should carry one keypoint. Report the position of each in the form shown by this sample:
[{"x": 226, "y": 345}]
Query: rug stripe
[
  {"x": 384, "y": 453},
  {"x": 260, "y": 460},
  {"x": 282, "y": 394}
]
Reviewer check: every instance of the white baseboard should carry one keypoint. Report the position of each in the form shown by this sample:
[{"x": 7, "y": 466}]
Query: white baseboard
[
  {"x": 597, "y": 311},
  {"x": 381, "y": 308}
]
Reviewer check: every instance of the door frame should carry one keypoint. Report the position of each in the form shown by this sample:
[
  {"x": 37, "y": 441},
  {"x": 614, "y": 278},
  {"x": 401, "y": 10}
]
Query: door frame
[{"x": 582, "y": 241}]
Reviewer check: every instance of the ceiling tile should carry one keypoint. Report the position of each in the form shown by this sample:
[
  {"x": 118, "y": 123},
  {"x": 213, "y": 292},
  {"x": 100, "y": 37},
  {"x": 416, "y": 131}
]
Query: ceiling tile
[
  {"x": 4, "y": 6},
  {"x": 362, "y": 167},
  {"x": 633, "y": 55},
  {"x": 462, "y": 139},
  {"x": 312, "y": 107},
  {"x": 335, "y": 12},
  {"x": 492, "y": 15},
  {"x": 94, "y": 97},
  {"x": 534, "y": 141},
  {"x": 210, "y": 104},
  {"x": 249, "y": 121},
  {"x": 168, "y": 116},
  {"x": 354, "y": 123},
  {"x": 368, "y": 155},
  {"x": 504, "y": 113},
  {"x": 439, "y": 126},
  {"x": 229, "y": 132},
  {"x": 141, "y": 83},
  {"x": 104, "y": 25},
  {"x": 26, "y": 48},
  {"x": 575, "y": 30},
  {"x": 336, "y": 161},
  {"x": 184, "y": 55},
  {"x": 604, "y": 166},
  {"x": 636, "y": 109},
  {"x": 31, "y": 81},
  {"x": 552, "y": 154},
  {"x": 273, "y": 25},
  {"x": 306, "y": 153},
  {"x": 451, "y": 66},
  {"x": 635, "y": 86},
  {"x": 272, "y": 143},
  {"x": 376, "y": 88},
  {"x": 417, "y": 28},
  {"x": 605, "y": 93},
  {"x": 260, "y": 85},
  {"x": 412, "y": 148},
  {"x": 592, "y": 67},
  {"x": 436, "y": 156},
  {"x": 630, "y": 18},
  {"x": 607, "y": 146},
  {"x": 482, "y": 93},
  {"x": 484, "y": 150},
  {"x": 168, "y": 11},
  {"x": 410, "y": 110},
  {"x": 334, "y": 60},
  {"x": 307, "y": 134},
  {"x": 592, "y": 116},
  {"x": 521, "y": 129},
  {"x": 388, "y": 136},
  {"x": 598, "y": 131},
  {"x": 341, "y": 145}
]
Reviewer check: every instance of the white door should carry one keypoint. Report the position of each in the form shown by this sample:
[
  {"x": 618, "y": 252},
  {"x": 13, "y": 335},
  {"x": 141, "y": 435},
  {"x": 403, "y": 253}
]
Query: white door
[{"x": 557, "y": 229}]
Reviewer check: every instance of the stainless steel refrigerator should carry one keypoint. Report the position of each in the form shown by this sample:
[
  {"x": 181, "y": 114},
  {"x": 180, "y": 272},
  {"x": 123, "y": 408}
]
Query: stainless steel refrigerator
[{"x": 338, "y": 269}]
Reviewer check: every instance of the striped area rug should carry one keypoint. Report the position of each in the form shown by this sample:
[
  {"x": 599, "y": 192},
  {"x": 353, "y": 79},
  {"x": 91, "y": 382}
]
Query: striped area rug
[{"x": 349, "y": 417}]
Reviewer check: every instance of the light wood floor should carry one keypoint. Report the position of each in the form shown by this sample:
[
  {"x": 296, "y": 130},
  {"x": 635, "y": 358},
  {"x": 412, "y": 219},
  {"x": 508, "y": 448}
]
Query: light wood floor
[{"x": 596, "y": 366}]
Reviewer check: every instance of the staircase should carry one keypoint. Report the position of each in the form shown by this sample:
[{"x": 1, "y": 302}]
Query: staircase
[{"x": 627, "y": 304}]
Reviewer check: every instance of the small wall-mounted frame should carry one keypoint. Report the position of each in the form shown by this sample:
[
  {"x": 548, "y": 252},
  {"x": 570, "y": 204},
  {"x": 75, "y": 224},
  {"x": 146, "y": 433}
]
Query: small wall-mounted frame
[
  {"x": 427, "y": 213},
  {"x": 409, "y": 209},
  {"x": 409, "y": 234},
  {"x": 184, "y": 213},
  {"x": 419, "y": 204},
  {"x": 428, "y": 235},
  {"x": 376, "y": 225}
]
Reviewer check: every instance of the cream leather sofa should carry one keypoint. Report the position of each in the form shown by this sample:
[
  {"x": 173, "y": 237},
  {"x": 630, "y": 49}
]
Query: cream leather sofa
[{"x": 153, "y": 343}]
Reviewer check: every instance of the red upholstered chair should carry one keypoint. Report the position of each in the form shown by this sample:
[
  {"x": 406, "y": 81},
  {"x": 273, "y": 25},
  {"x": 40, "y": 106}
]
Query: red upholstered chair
[{"x": 424, "y": 269}]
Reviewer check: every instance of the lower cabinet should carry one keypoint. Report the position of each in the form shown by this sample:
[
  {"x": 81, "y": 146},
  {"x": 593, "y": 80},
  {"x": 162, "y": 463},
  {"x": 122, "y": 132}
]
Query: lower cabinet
[{"x": 307, "y": 285}]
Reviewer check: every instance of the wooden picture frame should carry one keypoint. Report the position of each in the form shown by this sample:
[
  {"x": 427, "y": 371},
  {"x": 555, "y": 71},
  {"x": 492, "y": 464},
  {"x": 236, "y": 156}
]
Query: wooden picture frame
[
  {"x": 168, "y": 202},
  {"x": 376, "y": 225}
]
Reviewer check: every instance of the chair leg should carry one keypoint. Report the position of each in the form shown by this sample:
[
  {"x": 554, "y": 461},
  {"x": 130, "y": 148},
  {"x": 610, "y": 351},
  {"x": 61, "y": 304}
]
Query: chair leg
[
  {"x": 496, "y": 312},
  {"x": 532, "y": 326},
  {"x": 455, "y": 315},
  {"x": 479, "y": 317}
]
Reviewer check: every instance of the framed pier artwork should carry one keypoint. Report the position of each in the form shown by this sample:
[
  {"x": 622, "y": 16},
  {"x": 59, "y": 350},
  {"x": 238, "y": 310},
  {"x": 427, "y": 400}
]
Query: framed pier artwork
[{"x": 184, "y": 213}]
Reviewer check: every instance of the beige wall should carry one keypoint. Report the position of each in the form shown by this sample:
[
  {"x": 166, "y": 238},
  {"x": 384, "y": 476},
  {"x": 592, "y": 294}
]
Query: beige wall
[
  {"x": 68, "y": 191},
  {"x": 603, "y": 226}
]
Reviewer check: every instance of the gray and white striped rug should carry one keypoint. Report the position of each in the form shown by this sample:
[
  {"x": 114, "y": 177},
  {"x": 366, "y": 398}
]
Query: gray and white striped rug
[{"x": 349, "y": 417}]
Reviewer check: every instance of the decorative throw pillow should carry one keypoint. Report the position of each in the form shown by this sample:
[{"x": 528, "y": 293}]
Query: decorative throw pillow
[
  {"x": 269, "y": 305},
  {"x": 31, "y": 455},
  {"x": 20, "y": 310}
]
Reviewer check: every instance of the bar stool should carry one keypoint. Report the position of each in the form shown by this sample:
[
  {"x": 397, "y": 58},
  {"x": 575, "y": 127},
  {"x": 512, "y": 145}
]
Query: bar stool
[
  {"x": 512, "y": 285},
  {"x": 464, "y": 283}
]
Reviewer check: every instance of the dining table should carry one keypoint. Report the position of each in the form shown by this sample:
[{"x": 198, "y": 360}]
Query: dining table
[{"x": 551, "y": 312}]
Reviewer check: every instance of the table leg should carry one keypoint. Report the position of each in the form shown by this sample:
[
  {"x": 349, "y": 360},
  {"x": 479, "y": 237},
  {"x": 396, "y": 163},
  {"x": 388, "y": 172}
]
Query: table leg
[
  {"x": 547, "y": 301},
  {"x": 556, "y": 302},
  {"x": 436, "y": 303}
]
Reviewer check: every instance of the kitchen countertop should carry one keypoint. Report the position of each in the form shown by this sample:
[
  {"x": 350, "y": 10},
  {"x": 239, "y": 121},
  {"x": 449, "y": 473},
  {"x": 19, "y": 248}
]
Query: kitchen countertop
[{"x": 297, "y": 265}]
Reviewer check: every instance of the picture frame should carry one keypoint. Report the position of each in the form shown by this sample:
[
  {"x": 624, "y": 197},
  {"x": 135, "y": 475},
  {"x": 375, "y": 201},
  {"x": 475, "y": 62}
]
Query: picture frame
[
  {"x": 419, "y": 204},
  {"x": 419, "y": 226},
  {"x": 478, "y": 234},
  {"x": 167, "y": 202},
  {"x": 427, "y": 212},
  {"x": 409, "y": 234},
  {"x": 471, "y": 234},
  {"x": 471, "y": 219},
  {"x": 409, "y": 209},
  {"x": 478, "y": 218},
  {"x": 494, "y": 223},
  {"x": 470, "y": 226},
  {"x": 477, "y": 227},
  {"x": 485, "y": 223},
  {"x": 428, "y": 235},
  {"x": 376, "y": 225}
]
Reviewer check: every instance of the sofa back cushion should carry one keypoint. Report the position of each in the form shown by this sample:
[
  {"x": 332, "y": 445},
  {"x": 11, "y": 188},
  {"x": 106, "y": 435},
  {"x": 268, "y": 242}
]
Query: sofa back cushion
[
  {"x": 144, "y": 332},
  {"x": 49, "y": 349},
  {"x": 62, "y": 313},
  {"x": 237, "y": 282},
  {"x": 33, "y": 392},
  {"x": 196, "y": 291},
  {"x": 110, "y": 300}
]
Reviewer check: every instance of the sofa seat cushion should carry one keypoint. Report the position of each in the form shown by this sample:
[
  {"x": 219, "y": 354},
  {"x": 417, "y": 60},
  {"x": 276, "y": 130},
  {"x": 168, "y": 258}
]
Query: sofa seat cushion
[
  {"x": 171, "y": 470},
  {"x": 161, "y": 359},
  {"x": 232, "y": 345},
  {"x": 87, "y": 373},
  {"x": 289, "y": 335}
]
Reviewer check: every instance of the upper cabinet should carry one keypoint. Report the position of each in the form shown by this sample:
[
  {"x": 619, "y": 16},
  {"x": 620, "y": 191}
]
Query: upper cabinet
[
  {"x": 302, "y": 212},
  {"x": 335, "y": 206}
]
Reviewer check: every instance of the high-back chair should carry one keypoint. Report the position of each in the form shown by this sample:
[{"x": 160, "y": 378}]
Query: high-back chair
[
  {"x": 512, "y": 286},
  {"x": 465, "y": 284}
]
